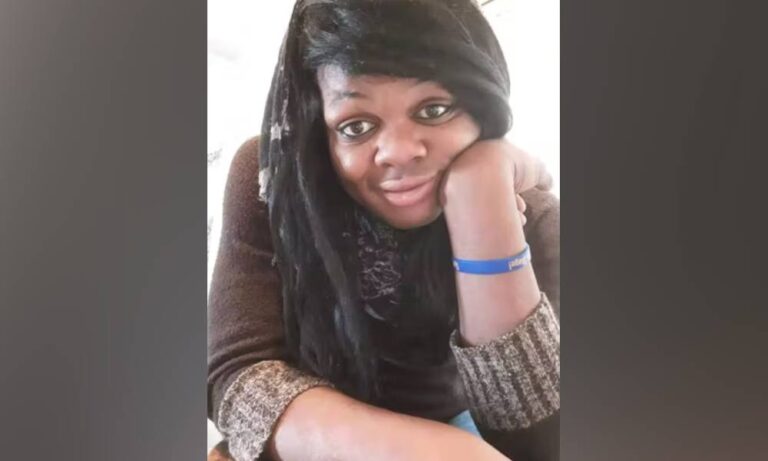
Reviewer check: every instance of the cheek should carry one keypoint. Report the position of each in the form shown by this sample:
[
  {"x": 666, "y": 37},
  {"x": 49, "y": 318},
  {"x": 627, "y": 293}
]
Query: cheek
[
  {"x": 468, "y": 132},
  {"x": 350, "y": 165},
  {"x": 457, "y": 137}
]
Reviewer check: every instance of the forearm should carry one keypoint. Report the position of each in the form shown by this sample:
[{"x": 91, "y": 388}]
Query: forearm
[
  {"x": 508, "y": 333},
  {"x": 483, "y": 223},
  {"x": 322, "y": 424}
]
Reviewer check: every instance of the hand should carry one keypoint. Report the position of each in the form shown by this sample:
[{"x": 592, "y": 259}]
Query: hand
[
  {"x": 521, "y": 207},
  {"x": 491, "y": 160},
  {"x": 529, "y": 171}
]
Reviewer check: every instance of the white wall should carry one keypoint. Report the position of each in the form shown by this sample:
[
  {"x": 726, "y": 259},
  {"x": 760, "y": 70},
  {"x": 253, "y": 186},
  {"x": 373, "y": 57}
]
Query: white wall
[
  {"x": 243, "y": 40},
  {"x": 529, "y": 33}
]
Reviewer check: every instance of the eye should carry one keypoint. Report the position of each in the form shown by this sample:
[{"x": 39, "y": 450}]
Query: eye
[
  {"x": 433, "y": 111},
  {"x": 356, "y": 129}
]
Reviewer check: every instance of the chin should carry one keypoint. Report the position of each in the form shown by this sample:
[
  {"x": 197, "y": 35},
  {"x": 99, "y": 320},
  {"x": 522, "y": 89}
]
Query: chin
[{"x": 413, "y": 220}]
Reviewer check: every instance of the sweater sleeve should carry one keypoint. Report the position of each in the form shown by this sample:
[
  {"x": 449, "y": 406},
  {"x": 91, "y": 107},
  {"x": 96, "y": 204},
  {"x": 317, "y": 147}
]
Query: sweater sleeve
[
  {"x": 512, "y": 383},
  {"x": 250, "y": 381}
]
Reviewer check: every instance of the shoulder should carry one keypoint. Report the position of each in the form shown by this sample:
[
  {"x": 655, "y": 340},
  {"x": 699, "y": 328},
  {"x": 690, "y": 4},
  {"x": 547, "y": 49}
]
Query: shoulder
[
  {"x": 244, "y": 214},
  {"x": 242, "y": 185},
  {"x": 540, "y": 205},
  {"x": 542, "y": 231},
  {"x": 245, "y": 162}
]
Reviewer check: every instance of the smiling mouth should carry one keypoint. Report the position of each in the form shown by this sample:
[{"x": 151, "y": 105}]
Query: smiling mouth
[{"x": 408, "y": 192}]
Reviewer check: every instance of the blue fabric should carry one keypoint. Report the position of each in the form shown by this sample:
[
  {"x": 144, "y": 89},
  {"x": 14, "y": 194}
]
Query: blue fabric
[{"x": 464, "y": 421}]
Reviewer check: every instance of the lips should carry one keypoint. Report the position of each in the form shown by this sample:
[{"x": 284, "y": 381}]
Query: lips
[{"x": 408, "y": 191}]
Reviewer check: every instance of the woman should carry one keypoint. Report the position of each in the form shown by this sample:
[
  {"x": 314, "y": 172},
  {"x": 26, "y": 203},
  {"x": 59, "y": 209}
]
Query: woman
[{"x": 340, "y": 324}]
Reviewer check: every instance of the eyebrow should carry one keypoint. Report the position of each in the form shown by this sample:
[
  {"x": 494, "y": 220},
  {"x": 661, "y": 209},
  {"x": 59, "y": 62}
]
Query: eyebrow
[{"x": 338, "y": 96}]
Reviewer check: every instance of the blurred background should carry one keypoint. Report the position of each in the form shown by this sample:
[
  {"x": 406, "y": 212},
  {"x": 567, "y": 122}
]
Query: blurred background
[{"x": 244, "y": 38}]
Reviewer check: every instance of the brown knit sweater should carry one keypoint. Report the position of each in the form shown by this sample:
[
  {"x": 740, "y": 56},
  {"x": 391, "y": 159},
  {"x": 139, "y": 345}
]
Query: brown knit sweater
[{"x": 511, "y": 385}]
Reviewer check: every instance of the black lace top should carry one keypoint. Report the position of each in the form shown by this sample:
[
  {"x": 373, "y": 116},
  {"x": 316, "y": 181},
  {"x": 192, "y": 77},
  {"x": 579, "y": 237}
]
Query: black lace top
[{"x": 417, "y": 372}]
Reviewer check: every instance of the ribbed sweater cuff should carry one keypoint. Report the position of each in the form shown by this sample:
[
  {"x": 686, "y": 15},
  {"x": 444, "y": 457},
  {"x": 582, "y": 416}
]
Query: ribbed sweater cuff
[
  {"x": 513, "y": 381},
  {"x": 253, "y": 403}
]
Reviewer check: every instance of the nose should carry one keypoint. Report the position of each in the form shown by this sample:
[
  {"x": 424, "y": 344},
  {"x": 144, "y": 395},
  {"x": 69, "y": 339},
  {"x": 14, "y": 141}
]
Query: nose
[{"x": 400, "y": 145}]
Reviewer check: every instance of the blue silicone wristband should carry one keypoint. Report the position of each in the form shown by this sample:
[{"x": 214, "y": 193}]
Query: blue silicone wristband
[{"x": 493, "y": 266}]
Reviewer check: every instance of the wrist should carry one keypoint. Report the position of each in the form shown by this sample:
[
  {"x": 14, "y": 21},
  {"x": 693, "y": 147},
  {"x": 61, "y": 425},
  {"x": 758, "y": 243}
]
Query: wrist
[
  {"x": 480, "y": 208},
  {"x": 490, "y": 228}
]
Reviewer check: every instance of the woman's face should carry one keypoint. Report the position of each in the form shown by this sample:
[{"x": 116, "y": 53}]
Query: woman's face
[{"x": 391, "y": 140}]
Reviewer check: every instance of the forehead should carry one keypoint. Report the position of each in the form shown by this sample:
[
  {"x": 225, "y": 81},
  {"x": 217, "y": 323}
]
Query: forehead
[{"x": 335, "y": 84}]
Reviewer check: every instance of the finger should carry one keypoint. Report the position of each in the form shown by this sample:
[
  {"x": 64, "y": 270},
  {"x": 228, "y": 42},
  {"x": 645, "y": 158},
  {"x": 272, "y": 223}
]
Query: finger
[
  {"x": 523, "y": 219},
  {"x": 526, "y": 174},
  {"x": 545, "y": 179},
  {"x": 529, "y": 171},
  {"x": 521, "y": 205}
]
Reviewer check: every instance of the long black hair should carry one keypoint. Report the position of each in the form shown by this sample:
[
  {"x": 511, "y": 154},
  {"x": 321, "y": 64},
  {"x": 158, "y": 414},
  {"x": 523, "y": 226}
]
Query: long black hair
[{"x": 311, "y": 217}]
